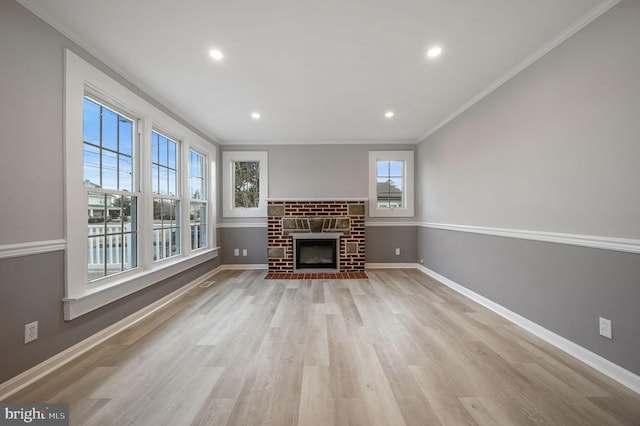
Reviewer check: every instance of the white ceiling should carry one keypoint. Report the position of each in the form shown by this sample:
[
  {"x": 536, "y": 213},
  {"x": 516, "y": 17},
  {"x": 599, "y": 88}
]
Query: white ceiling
[{"x": 321, "y": 71}]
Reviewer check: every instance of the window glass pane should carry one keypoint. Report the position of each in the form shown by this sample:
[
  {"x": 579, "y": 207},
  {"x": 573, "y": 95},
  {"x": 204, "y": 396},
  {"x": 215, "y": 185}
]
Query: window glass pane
[
  {"x": 382, "y": 168},
  {"x": 196, "y": 188},
  {"x": 95, "y": 258},
  {"x": 109, "y": 129},
  {"x": 162, "y": 150},
  {"x": 395, "y": 168},
  {"x": 126, "y": 136},
  {"x": 173, "y": 185},
  {"x": 91, "y": 122},
  {"x": 129, "y": 213},
  {"x": 164, "y": 181},
  {"x": 157, "y": 213},
  {"x": 194, "y": 166},
  {"x": 154, "y": 147},
  {"x": 113, "y": 251},
  {"x": 155, "y": 179},
  {"x": 395, "y": 192},
  {"x": 129, "y": 252},
  {"x": 246, "y": 184},
  {"x": 197, "y": 218},
  {"x": 96, "y": 213},
  {"x": 109, "y": 170},
  {"x": 91, "y": 166},
  {"x": 171, "y": 161},
  {"x": 175, "y": 241},
  {"x": 125, "y": 173},
  {"x": 114, "y": 214}
]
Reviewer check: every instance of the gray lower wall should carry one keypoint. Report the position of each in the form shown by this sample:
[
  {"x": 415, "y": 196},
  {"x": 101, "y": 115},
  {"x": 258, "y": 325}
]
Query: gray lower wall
[
  {"x": 382, "y": 241},
  {"x": 563, "y": 288},
  {"x": 32, "y": 290},
  {"x": 253, "y": 239}
]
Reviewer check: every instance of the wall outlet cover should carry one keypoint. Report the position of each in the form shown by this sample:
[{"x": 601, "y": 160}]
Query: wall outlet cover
[
  {"x": 605, "y": 328},
  {"x": 30, "y": 332}
]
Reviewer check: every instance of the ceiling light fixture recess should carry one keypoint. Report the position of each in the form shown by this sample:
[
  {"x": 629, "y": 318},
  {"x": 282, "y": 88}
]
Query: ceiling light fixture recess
[
  {"x": 434, "y": 52},
  {"x": 216, "y": 54},
  {"x": 389, "y": 114},
  {"x": 255, "y": 115}
]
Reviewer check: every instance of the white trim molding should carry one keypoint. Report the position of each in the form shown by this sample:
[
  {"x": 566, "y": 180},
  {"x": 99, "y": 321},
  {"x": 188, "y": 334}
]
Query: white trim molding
[
  {"x": 382, "y": 224},
  {"x": 606, "y": 367},
  {"x": 605, "y": 243},
  {"x": 8, "y": 251},
  {"x": 242, "y": 225},
  {"x": 28, "y": 377},
  {"x": 389, "y": 266}
]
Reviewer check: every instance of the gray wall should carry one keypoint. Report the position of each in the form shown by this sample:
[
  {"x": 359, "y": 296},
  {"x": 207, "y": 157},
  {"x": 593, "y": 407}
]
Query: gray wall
[
  {"x": 31, "y": 187},
  {"x": 382, "y": 241},
  {"x": 554, "y": 149},
  {"x": 560, "y": 287},
  {"x": 316, "y": 171},
  {"x": 319, "y": 171},
  {"x": 254, "y": 240}
]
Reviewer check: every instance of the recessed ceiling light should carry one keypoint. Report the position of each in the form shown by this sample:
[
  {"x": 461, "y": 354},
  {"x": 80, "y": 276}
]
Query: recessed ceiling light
[
  {"x": 255, "y": 115},
  {"x": 216, "y": 54},
  {"x": 389, "y": 114},
  {"x": 434, "y": 52}
]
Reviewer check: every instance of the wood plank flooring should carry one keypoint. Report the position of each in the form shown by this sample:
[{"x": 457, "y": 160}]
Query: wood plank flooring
[{"x": 398, "y": 348}]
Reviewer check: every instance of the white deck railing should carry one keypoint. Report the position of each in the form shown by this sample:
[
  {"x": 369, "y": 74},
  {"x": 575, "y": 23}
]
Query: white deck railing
[{"x": 114, "y": 255}]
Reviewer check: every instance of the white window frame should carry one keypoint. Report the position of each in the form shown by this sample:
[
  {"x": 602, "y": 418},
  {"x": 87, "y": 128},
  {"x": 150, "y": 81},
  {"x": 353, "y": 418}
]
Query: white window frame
[
  {"x": 81, "y": 296},
  {"x": 179, "y": 187},
  {"x": 230, "y": 157},
  {"x": 408, "y": 172},
  {"x": 205, "y": 200}
]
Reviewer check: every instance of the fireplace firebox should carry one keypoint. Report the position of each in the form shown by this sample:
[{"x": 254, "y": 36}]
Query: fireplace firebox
[{"x": 316, "y": 252}]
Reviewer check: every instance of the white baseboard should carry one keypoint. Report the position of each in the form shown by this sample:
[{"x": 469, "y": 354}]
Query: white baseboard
[
  {"x": 242, "y": 266},
  {"x": 606, "y": 367},
  {"x": 23, "y": 380},
  {"x": 389, "y": 265}
]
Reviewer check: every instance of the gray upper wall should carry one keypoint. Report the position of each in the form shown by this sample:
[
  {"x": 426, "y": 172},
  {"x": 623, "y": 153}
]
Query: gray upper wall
[
  {"x": 556, "y": 148},
  {"x": 317, "y": 171}
]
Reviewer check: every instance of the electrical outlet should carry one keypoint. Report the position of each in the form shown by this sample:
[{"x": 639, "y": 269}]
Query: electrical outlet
[
  {"x": 605, "y": 328},
  {"x": 30, "y": 332},
  {"x": 236, "y": 252},
  {"x": 421, "y": 260},
  {"x": 244, "y": 252},
  {"x": 397, "y": 252}
]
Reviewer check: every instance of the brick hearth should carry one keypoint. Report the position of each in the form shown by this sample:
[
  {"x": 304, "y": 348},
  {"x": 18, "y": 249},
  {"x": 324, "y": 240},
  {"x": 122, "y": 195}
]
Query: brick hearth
[{"x": 287, "y": 217}]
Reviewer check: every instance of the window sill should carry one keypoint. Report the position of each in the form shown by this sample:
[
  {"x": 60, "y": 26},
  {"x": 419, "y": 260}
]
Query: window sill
[{"x": 98, "y": 296}]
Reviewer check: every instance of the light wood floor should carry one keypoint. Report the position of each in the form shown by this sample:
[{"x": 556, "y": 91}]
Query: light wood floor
[{"x": 396, "y": 349}]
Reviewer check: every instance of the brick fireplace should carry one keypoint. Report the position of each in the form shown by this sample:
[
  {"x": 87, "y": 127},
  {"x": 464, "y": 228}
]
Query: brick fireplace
[{"x": 316, "y": 218}]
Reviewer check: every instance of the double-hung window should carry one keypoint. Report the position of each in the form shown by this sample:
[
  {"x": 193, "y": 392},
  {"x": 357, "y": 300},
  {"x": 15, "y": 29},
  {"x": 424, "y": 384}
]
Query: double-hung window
[
  {"x": 112, "y": 196},
  {"x": 198, "y": 200},
  {"x": 166, "y": 200},
  {"x": 133, "y": 192}
]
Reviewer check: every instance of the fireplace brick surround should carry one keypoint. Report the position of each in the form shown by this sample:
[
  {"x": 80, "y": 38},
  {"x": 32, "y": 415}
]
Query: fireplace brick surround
[{"x": 288, "y": 217}]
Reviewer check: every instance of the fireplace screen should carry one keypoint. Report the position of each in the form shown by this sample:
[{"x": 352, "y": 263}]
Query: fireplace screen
[{"x": 316, "y": 254}]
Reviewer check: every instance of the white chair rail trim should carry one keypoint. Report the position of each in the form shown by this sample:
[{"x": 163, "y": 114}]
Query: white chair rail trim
[
  {"x": 626, "y": 245},
  {"x": 28, "y": 249}
]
